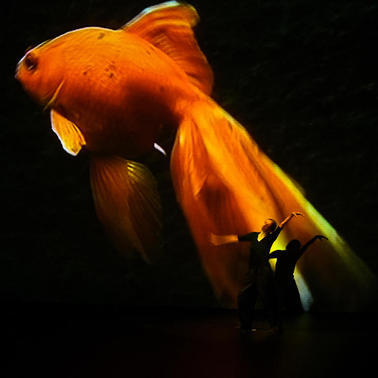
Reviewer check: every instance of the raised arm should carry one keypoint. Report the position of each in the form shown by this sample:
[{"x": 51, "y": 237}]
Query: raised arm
[
  {"x": 289, "y": 217},
  {"x": 316, "y": 237}
]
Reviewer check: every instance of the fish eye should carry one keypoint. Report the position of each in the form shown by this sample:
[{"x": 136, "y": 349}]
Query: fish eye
[{"x": 31, "y": 62}]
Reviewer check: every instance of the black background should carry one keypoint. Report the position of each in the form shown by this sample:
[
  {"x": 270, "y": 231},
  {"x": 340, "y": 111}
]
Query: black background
[{"x": 300, "y": 75}]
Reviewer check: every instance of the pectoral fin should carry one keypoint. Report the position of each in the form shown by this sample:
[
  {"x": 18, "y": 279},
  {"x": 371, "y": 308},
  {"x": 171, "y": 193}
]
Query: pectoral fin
[
  {"x": 69, "y": 135},
  {"x": 127, "y": 203}
]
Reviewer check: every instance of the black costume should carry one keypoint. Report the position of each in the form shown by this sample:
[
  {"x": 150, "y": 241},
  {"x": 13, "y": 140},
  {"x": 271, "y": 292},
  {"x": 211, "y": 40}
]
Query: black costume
[
  {"x": 259, "y": 281},
  {"x": 287, "y": 290}
]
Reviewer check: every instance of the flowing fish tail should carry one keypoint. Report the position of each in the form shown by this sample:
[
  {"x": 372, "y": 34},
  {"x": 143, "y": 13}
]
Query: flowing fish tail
[{"x": 227, "y": 185}]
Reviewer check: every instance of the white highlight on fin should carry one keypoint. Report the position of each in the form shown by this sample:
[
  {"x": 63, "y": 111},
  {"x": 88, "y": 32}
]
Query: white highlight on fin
[
  {"x": 154, "y": 8},
  {"x": 160, "y": 149}
]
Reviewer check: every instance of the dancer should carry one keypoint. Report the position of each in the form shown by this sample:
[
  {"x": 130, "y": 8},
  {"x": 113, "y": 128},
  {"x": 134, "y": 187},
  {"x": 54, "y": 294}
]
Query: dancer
[
  {"x": 259, "y": 280},
  {"x": 286, "y": 287}
]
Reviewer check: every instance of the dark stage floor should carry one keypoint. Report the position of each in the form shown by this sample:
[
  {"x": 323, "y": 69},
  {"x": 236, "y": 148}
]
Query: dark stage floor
[{"x": 57, "y": 341}]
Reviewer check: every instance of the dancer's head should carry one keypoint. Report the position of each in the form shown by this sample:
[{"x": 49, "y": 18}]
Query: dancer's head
[
  {"x": 293, "y": 245},
  {"x": 269, "y": 226}
]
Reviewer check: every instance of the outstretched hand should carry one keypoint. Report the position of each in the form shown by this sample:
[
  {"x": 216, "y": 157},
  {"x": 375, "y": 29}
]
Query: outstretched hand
[
  {"x": 218, "y": 240},
  {"x": 214, "y": 239},
  {"x": 320, "y": 237},
  {"x": 296, "y": 214},
  {"x": 289, "y": 217}
]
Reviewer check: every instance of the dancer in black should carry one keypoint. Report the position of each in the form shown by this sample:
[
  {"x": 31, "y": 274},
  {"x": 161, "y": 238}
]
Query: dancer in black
[
  {"x": 286, "y": 288},
  {"x": 259, "y": 280}
]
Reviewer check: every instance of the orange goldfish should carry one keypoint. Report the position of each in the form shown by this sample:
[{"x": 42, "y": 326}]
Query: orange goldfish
[{"x": 116, "y": 92}]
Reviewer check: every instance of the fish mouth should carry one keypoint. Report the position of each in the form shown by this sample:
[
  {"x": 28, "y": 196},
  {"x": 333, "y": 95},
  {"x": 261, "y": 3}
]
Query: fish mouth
[
  {"x": 17, "y": 73},
  {"x": 50, "y": 103}
]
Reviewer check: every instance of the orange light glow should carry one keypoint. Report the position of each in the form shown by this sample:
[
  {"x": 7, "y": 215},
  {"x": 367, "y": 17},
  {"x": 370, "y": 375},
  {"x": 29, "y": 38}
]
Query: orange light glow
[{"x": 115, "y": 92}]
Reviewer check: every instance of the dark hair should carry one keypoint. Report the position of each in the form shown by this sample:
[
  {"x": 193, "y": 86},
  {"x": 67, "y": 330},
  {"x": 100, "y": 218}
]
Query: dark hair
[
  {"x": 274, "y": 224},
  {"x": 293, "y": 244}
]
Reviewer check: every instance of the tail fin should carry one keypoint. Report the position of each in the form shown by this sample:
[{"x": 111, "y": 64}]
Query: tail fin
[
  {"x": 226, "y": 185},
  {"x": 127, "y": 203}
]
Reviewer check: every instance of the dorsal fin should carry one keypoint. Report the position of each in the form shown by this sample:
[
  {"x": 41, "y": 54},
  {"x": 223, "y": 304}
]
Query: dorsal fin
[{"x": 168, "y": 26}]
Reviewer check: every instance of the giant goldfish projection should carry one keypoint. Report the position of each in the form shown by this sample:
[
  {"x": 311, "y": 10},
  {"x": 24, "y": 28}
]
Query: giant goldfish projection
[{"x": 117, "y": 92}]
